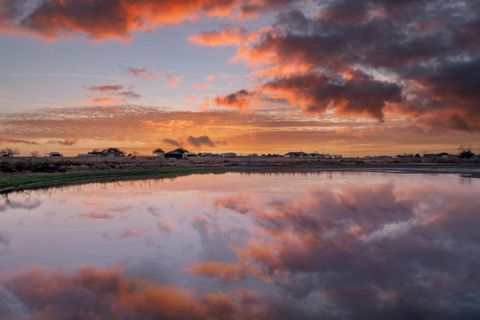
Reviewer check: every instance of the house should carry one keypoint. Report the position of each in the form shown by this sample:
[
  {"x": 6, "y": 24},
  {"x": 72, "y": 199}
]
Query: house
[
  {"x": 187, "y": 155},
  {"x": 176, "y": 154},
  {"x": 298, "y": 154},
  {"x": 55, "y": 154},
  {"x": 208, "y": 154},
  {"x": 95, "y": 153},
  {"x": 229, "y": 155},
  {"x": 109, "y": 152}
]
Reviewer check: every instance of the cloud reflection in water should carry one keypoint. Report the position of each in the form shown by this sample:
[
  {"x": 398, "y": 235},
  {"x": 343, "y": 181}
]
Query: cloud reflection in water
[{"x": 386, "y": 247}]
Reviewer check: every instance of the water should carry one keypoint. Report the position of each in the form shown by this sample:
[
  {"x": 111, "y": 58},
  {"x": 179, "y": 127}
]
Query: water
[{"x": 236, "y": 246}]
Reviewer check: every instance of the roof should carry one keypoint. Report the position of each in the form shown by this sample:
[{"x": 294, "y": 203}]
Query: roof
[{"x": 178, "y": 151}]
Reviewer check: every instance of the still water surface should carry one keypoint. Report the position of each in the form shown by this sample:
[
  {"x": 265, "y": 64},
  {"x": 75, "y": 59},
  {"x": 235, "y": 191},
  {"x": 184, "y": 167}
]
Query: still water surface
[{"x": 236, "y": 246}]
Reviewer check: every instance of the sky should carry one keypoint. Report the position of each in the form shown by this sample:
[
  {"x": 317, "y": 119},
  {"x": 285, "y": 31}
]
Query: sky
[{"x": 347, "y": 77}]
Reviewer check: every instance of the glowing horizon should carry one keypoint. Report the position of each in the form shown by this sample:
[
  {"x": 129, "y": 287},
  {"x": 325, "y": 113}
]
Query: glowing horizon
[{"x": 247, "y": 76}]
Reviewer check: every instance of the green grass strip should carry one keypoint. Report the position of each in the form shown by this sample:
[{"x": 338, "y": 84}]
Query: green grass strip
[{"x": 30, "y": 181}]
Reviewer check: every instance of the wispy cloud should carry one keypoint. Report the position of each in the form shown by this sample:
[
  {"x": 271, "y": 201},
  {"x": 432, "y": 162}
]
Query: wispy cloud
[
  {"x": 141, "y": 73},
  {"x": 172, "y": 80}
]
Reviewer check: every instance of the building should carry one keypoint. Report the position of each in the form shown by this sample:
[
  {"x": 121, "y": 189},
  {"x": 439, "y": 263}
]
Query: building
[
  {"x": 109, "y": 152},
  {"x": 187, "y": 155},
  {"x": 176, "y": 154},
  {"x": 229, "y": 155},
  {"x": 55, "y": 154},
  {"x": 298, "y": 154},
  {"x": 208, "y": 154}
]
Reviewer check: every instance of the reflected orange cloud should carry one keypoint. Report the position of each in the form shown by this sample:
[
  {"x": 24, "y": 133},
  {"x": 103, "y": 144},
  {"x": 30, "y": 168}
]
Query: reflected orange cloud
[
  {"x": 97, "y": 216},
  {"x": 220, "y": 270},
  {"x": 94, "y": 293}
]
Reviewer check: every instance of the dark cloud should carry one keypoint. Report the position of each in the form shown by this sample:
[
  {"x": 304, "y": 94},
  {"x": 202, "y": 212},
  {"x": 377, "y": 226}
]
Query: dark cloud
[
  {"x": 65, "y": 142},
  {"x": 129, "y": 94},
  {"x": 111, "y": 90},
  {"x": 15, "y": 141},
  {"x": 200, "y": 141},
  {"x": 423, "y": 51},
  {"x": 238, "y": 100},
  {"x": 172, "y": 142},
  {"x": 357, "y": 95},
  {"x": 113, "y": 19}
]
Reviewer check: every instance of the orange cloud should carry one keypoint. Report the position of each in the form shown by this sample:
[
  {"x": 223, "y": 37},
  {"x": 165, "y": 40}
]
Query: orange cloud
[
  {"x": 224, "y": 37},
  {"x": 113, "y": 19},
  {"x": 238, "y": 100},
  {"x": 259, "y": 132},
  {"x": 104, "y": 101}
]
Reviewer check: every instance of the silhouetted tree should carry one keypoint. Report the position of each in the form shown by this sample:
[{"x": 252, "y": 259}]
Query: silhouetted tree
[
  {"x": 9, "y": 152},
  {"x": 466, "y": 153}
]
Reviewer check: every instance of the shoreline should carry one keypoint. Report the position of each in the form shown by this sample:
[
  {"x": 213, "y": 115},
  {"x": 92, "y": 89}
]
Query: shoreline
[{"x": 30, "y": 181}]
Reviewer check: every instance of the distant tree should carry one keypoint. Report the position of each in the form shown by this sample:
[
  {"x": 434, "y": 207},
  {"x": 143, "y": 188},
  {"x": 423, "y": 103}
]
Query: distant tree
[
  {"x": 158, "y": 150},
  {"x": 9, "y": 152},
  {"x": 34, "y": 154},
  {"x": 465, "y": 153},
  {"x": 114, "y": 151}
]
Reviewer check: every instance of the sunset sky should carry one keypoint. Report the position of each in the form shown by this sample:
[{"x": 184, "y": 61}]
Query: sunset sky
[{"x": 336, "y": 76}]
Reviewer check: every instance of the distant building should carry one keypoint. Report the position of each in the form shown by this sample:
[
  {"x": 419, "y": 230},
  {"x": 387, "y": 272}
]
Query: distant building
[
  {"x": 55, "y": 154},
  {"x": 208, "y": 154},
  {"x": 176, "y": 154},
  {"x": 229, "y": 155},
  {"x": 299, "y": 154},
  {"x": 109, "y": 152},
  {"x": 430, "y": 155},
  {"x": 187, "y": 155},
  {"x": 94, "y": 154}
]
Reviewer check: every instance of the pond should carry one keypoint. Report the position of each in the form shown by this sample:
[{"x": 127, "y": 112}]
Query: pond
[{"x": 245, "y": 246}]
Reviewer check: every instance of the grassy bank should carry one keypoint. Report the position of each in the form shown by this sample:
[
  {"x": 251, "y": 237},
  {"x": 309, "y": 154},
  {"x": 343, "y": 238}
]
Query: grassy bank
[
  {"x": 43, "y": 180},
  {"x": 29, "y": 180}
]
